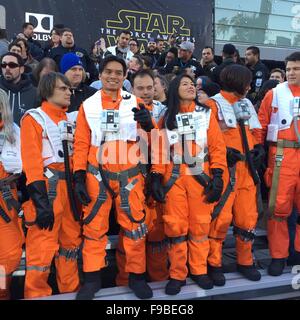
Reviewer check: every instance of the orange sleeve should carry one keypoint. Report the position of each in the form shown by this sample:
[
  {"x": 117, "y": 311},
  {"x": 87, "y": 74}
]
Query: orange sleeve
[
  {"x": 159, "y": 149},
  {"x": 216, "y": 145},
  {"x": 213, "y": 106},
  {"x": 82, "y": 142},
  {"x": 264, "y": 116},
  {"x": 31, "y": 149}
]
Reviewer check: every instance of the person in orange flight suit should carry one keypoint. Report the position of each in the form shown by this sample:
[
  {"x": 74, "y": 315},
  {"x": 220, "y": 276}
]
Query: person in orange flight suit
[
  {"x": 241, "y": 205},
  {"x": 188, "y": 199},
  {"x": 156, "y": 245},
  {"x": 107, "y": 171},
  {"x": 280, "y": 127},
  {"x": 52, "y": 229},
  {"x": 11, "y": 235}
]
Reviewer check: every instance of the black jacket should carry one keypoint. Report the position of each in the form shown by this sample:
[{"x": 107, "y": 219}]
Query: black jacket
[
  {"x": 89, "y": 66},
  {"x": 218, "y": 69},
  {"x": 178, "y": 66},
  {"x": 260, "y": 73},
  {"x": 22, "y": 96},
  {"x": 80, "y": 94}
]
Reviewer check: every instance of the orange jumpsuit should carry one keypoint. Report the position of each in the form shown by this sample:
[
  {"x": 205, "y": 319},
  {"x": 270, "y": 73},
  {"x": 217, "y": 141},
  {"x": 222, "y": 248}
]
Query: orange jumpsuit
[
  {"x": 156, "y": 249},
  {"x": 64, "y": 240},
  {"x": 241, "y": 205},
  {"x": 186, "y": 212},
  {"x": 288, "y": 193},
  {"x": 11, "y": 241},
  {"x": 94, "y": 232}
]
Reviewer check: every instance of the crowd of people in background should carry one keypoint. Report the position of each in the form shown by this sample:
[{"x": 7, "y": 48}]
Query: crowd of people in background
[{"x": 169, "y": 79}]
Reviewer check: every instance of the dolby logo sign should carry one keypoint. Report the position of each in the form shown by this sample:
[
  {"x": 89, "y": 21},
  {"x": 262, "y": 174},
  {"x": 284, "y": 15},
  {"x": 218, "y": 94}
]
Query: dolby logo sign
[{"x": 43, "y": 24}]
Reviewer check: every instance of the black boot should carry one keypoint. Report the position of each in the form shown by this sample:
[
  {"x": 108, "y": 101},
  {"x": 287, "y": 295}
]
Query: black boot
[
  {"x": 173, "y": 287},
  {"x": 137, "y": 283},
  {"x": 276, "y": 267},
  {"x": 92, "y": 284},
  {"x": 217, "y": 276},
  {"x": 203, "y": 281},
  {"x": 297, "y": 257},
  {"x": 249, "y": 272}
]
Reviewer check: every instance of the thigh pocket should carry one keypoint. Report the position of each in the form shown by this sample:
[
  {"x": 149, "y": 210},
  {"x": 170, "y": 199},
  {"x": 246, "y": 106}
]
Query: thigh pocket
[{"x": 29, "y": 213}]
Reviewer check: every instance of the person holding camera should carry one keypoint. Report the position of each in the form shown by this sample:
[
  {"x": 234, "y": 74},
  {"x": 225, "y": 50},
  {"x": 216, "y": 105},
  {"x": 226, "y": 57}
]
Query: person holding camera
[
  {"x": 50, "y": 214},
  {"x": 237, "y": 119},
  {"x": 192, "y": 180}
]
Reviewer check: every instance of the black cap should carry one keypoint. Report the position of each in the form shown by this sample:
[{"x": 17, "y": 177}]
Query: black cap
[{"x": 229, "y": 49}]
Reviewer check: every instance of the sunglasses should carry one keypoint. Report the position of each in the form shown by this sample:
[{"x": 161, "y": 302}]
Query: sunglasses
[{"x": 11, "y": 65}]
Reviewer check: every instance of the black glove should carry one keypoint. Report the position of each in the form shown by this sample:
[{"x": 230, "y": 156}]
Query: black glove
[
  {"x": 143, "y": 117},
  {"x": 214, "y": 189},
  {"x": 258, "y": 155},
  {"x": 233, "y": 156},
  {"x": 158, "y": 193},
  {"x": 80, "y": 187},
  {"x": 44, "y": 212}
]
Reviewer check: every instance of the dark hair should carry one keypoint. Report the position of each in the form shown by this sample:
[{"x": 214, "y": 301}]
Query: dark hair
[
  {"x": 25, "y": 44},
  {"x": 236, "y": 78},
  {"x": 26, "y": 24},
  {"x": 295, "y": 56},
  {"x": 211, "y": 48},
  {"x": 12, "y": 54},
  {"x": 136, "y": 41},
  {"x": 141, "y": 74},
  {"x": 47, "y": 84},
  {"x": 12, "y": 44},
  {"x": 158, "y": 40},
  {"x": 211, "y": 88},
  {"x": 278, "y": 70},
  {"x": 139, "y": 59},
  {"x": 42, "y": 64},
  {"x": 57, "y": 30},
  {"x": 147, "y": 61},
  {"x": 164, "y": 82},
  {"x": 124, "y": 31},
  {"x": 66, "y": 30},
  {"x": 173, "y": 101},
  {"x": 111, "y": 58},
  {"x": 174, "y": 51},
  {"x": 255, "y": 50}
]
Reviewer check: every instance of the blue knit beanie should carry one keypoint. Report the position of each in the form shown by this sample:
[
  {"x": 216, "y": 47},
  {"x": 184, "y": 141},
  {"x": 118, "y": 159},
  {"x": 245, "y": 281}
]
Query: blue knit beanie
[{"x": 68, "y": 61}]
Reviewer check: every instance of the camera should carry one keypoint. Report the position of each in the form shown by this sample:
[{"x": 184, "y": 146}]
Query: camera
[
  {"x": 66, "y": 131},
  {"x": 242, "y": 110},
  {"x": 185, "y": 123},
  {"x": 110, "y": 121}
]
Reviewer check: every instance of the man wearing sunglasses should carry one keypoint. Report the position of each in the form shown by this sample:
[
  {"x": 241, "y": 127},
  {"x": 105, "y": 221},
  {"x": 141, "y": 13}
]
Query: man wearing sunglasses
[{"x": 22, "y": 94}]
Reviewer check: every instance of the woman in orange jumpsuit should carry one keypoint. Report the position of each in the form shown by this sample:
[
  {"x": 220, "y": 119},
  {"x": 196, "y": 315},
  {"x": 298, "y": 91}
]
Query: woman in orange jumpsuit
[
  {"x": 191, "y": 186},
  {"x": 11, "y": 235}
]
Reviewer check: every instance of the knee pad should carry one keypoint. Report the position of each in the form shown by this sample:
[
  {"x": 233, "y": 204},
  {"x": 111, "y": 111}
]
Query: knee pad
[{"x": 244, "y": 235}]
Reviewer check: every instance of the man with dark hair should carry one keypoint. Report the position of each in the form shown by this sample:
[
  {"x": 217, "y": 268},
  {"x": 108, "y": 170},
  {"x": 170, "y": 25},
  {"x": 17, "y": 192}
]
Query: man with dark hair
[
  {"x": 151, "y": 52},
  {"x": 237, "y": 118},
  {"x": 159, "y": 45},
  {"x": 122, "y": 48},
  {"x": 207, "y": 62},
  {"x": 260, "y": 72},
  {"x": 228, "y": 54},
  {"x": 15, "y": 48},
  {"x": 47, "y": 135},
  {"x": 68, "y": 45},
  {"x": 35, "y": 47},
  {"x": 107, "y": 128},
  {"x": 21, "y": 92},
  {"x": 279, "y": 114}
]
